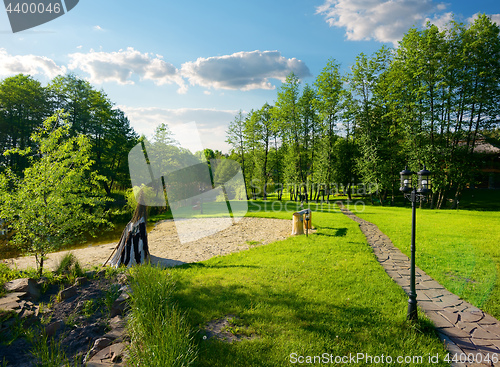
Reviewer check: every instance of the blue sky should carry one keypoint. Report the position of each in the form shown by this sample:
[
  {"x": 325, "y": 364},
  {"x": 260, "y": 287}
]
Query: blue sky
[{"x": 202, "y": 61}]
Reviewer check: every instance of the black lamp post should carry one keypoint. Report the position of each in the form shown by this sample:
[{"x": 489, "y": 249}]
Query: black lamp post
[{"x": 414, "y": 193}]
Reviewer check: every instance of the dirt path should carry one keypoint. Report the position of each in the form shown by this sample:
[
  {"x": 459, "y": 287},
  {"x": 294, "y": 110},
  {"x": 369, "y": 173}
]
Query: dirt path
[{"x": 166, "y": 248}]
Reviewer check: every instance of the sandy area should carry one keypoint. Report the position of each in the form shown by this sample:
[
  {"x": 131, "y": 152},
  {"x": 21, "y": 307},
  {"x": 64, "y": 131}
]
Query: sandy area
[{"x": 167, "y": 249}]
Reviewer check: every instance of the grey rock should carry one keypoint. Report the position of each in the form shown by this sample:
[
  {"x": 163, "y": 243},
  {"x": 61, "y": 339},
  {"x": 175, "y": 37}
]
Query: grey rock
[
  {"x": 119, "y": 305},
  {"x": 81, "y": 281},
  {"x": 99, "y": 344},
  {"x": 68, "y": 292},
  {"x": 27, "y": 285},
  {"x": 53, "y": 327}
]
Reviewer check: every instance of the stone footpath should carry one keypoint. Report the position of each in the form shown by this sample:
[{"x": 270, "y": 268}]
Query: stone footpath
[{"x": 463, "y": 328}]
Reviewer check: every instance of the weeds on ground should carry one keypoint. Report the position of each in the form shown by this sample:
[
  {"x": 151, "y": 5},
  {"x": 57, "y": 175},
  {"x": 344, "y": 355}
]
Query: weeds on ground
[
  {"x": 110, "y": 297},
  {"x": 49, "y": 353}
]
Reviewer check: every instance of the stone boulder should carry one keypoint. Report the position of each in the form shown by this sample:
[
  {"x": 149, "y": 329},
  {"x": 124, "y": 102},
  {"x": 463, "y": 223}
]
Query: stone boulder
[
  {"x": 27, "y": 285},
  {"x": 53, "y": 327},
  {"x": 99, "y": 344},
  {"x": 68, "y": 292},
  {"x": 119, "y": 304}
]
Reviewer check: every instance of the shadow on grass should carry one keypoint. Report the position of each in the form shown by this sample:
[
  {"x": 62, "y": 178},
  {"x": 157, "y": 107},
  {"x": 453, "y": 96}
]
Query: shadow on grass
[
  {"x": 215, "y": 266},
  {"x": 339, "y": 232}
]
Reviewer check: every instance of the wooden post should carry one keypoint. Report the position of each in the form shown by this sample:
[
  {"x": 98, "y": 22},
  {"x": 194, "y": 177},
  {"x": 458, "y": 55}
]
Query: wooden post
[{"x": 297, "y": 224}]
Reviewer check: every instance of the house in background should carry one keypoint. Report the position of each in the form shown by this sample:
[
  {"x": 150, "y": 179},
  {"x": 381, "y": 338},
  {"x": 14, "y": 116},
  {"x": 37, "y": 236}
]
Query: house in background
[{"x": 489, "y": 158}]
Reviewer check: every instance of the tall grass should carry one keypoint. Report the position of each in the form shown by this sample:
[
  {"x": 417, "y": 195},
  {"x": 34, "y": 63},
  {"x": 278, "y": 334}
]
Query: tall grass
[{"x": 160, "y": 335}]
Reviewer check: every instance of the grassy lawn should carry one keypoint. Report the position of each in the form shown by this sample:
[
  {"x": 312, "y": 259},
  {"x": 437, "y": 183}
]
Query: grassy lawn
[
  {"x": 460, "y": 249},
  {"x": 322, "y": 294}
]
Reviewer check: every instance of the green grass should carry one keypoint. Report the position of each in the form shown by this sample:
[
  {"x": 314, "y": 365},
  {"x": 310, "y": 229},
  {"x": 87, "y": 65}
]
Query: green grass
[
  {"x": 460, "y": 249},
  {"x": 159, "y": 333},
  {"x": 321, "y": 294}
]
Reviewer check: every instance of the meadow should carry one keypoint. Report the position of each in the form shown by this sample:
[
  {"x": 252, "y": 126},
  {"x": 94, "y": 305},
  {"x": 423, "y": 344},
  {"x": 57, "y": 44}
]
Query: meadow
[{"x": 324, "y": 295}]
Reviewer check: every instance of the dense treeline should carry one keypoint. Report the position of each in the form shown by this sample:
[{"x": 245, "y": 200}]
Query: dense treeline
[
  {"x": 428, "y": 101},
  {"x": 25, "y": 104}
]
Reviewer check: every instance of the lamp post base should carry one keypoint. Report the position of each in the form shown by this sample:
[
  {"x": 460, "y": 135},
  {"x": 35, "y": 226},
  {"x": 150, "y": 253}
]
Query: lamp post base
[{"x": 412, "y": 309}]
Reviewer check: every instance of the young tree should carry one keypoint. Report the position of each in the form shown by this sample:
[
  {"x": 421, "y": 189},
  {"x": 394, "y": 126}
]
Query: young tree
[
  {"x": 287, "y": 112},
  {"x": 236, "y": 137},
  {"x": 58, "y": 200}
]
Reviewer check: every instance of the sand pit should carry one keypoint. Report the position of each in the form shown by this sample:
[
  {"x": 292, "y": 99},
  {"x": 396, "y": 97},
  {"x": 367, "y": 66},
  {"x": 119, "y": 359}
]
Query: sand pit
[{"x": 166, "y": 249}]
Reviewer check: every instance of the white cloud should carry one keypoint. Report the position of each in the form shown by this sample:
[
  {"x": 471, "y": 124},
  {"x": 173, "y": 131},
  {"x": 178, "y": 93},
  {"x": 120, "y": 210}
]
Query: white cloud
[
  {"x": 243, "y": 70},
  {"x": 381, "y": 20},
  {"x": 28, "y": 64},
  {"x": 212, "y": 124},
  {"x": 441, "y": 20},
  {"x": 98, "y": 28},
  {"x": 121, "y": 66},
  {"x": 495, "y": 18},
  {"x": 239, "y": 71}
]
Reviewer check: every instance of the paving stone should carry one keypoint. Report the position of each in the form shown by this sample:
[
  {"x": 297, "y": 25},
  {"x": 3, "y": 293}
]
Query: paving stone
[
  {"x": 438, "y": 320},
  {"x": 494, "y": 329},
  {"x": 463, "y": 307},
  {"x": 422, "y": 297},
  {"x": 433, "y": 293},
  {"x": 449, "y": 344},
  {"x": 482, "y": 342},
  {"x": 466, "y": 326},
  {"x": 451, "y": 316},
  {"x": 480, "y": 333},
  {"x": 432, "y": 284},
  {"x": 393, "y": 274},
  {"x": 429, "y": 306},
  {"x": 488, "y": 320},
  {"x": 449, "y": 302},
  {"x": 496, "y": 343},
  {"x": 469, "y": 316},
  {"x": 455, "y": 332}
]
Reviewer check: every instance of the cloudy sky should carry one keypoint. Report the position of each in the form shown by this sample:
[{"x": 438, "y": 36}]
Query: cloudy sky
[{"x": 202, "y": 61}]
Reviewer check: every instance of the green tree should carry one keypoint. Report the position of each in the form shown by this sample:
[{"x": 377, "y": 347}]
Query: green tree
[
  {"x": 58, "y": 200},
  {"x": 287, "y": 112},
  {"x": 91, "y": 113},
  {"x": 24, "y": 105},
  {"x": 329, "y": 105},
  {"x": 376, "y": 130}
]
